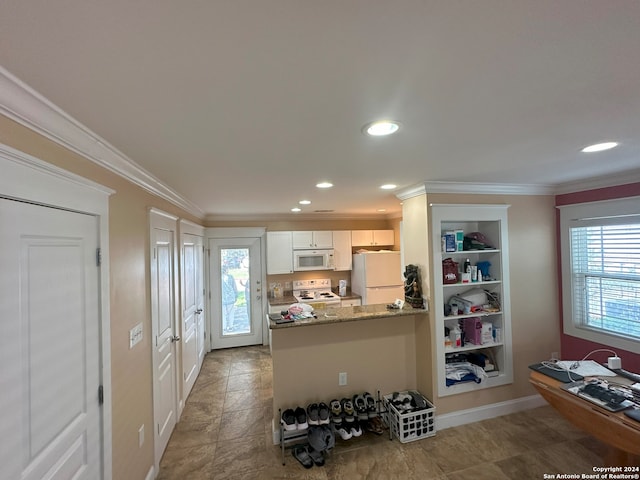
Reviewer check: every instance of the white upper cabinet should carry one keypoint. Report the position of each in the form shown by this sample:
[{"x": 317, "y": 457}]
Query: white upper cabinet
[
  {"x": 309, "y": 239},
  {"x": 279, "y": 253},
  {"x": 368, "y": 238},
  {"x": 342, "y": 250}
]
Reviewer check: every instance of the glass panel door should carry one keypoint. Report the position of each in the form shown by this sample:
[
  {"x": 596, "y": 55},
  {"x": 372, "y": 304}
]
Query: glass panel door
[
  {"x": 235, "y": 286},
  {"x": 236, "y": 296}
]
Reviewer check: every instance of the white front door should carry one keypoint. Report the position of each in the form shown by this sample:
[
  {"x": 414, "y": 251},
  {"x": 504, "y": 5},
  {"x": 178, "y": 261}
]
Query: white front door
[
  {"x": 50, "y": 413},
  {"x": 235, "y": 280},
  {"x": 165, "y": 393},
  {"x": 193, "y": 349}
]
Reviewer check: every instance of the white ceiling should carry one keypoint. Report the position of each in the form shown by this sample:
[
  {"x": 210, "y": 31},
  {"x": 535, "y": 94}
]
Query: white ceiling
[{"x": 242, "y": 106}]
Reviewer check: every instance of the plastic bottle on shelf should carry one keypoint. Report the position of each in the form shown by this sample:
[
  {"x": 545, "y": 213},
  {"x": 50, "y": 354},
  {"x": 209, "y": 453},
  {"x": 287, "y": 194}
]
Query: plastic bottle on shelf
[
  {"x": 456, "y": 337},
  {"x": 467, "y": 266}
]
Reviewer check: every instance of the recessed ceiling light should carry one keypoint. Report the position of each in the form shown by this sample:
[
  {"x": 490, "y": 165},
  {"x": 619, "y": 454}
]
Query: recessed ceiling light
[
  {"x": 381, "y": 128},
  {"x": 296, "y": 209},
  {"x": 388, "y": 186},
  {"x": 324, "y": 185},
  {"x": 305, "y": 202},
  {"x": 599, "y": 147}
]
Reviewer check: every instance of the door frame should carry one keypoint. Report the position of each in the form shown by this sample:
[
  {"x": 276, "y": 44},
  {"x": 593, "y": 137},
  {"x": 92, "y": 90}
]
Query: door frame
[
  {"x": 27, "y": 178},
  {"x": 236, "y": 232}
]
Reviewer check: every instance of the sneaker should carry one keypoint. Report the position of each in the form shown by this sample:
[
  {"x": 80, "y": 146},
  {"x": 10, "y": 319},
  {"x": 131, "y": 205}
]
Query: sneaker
[
  {"x": 301, "y": 419},
  {"x": 356, "y": 430},
  {"x": 323, "y": 413},
  {"x": 301, "y": 454},
  {"x": 288, "y": 419},
  {"x": 344, "y": 433},
  {"x": 360, "y": 406},
  {"x": 372, "y": 411},
  {"x": 313, "y": 417},
  {"x": 336, "y": 412},
  {"x": 347, "y": 408}
]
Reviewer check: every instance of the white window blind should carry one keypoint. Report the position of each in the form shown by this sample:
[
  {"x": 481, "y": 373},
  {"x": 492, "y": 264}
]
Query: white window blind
[{"x": 605, "y": 270}]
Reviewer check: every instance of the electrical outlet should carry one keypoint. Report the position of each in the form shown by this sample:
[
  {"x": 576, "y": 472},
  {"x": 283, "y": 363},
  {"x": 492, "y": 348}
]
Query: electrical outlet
[
  {"x": 135, "y": 335},
  {"x": 555, "y": 356},
  {"x": 141, "y": 435},
  {"x": 342, "y": 379}
]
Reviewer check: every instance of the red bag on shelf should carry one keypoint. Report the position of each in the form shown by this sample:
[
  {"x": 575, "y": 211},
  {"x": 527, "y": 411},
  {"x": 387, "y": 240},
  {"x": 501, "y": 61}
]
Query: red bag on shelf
[{"x": 449, "y": 271}]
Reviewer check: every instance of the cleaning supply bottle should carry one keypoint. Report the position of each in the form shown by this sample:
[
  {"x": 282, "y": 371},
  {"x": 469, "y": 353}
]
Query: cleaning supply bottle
[
  {"x": 456, "y": 337},
  {"x": 467, "y": 266}
]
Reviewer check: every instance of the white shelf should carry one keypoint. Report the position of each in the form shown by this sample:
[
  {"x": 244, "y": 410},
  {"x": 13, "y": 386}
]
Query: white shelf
[
  {"x": 470, "y": 315},
  {"x": 470, "y": 284},
  {"x": 491, "y": 220},
  {"x": 469, "y": 252},
  {"x": 470, "y": 347}
]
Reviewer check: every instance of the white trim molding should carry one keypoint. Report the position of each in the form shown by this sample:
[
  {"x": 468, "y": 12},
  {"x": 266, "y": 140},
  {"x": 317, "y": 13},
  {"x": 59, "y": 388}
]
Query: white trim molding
[
  {"x": 475, "y": 188},
  {"x": 485, "y": 412},
  {"x": 24, "y": 105},
  {"x": 615, "y": 180}
]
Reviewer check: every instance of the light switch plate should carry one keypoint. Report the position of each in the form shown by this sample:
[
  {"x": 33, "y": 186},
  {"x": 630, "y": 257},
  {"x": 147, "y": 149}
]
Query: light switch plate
[{"x": 135, "y": 335}]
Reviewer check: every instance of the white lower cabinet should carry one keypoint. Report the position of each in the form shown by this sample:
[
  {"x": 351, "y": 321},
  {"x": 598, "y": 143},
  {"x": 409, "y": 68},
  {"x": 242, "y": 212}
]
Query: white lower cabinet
[
  {"x": 487, "y": 328},
  {"x": 354, "y": 302}
]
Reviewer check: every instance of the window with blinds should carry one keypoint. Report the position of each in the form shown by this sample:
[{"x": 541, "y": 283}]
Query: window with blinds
[{"x": 605, "y": 272}]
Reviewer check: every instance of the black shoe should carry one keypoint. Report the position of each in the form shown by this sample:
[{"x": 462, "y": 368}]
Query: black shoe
[
  {"x": 313, "y": 414},
  {"x": 323, "y": 413},
  {"x": 301, "y": 454},
  {"x": 316, "y": 456},
  {"x": 301, "y": 419},
  {"x": 288, "y": 419}
]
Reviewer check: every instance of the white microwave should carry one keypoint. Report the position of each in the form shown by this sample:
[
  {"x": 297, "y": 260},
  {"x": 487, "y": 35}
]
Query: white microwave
[{"x": 313, "y": 260}]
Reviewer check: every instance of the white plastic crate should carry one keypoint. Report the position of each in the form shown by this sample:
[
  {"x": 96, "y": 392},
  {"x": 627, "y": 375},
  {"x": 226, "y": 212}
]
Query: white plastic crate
[{"x": 410, "y": 426}]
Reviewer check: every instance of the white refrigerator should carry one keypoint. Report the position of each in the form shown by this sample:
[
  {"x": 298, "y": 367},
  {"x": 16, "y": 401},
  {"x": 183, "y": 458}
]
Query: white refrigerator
[{"x": 377, "y": 277}]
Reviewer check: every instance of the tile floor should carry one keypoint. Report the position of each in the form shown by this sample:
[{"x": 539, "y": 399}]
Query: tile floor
[{"x": 225, "y": 433}]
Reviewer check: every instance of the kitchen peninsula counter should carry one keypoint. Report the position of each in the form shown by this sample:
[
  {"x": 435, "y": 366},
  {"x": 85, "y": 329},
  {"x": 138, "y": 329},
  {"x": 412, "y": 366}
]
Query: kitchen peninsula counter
[
  {"x": 348, "y": 314},
  {"x": 374, "y": 348}
]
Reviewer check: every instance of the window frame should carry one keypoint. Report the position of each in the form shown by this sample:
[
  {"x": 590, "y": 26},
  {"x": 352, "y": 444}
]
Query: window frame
[{"x": 628, "y": 209}]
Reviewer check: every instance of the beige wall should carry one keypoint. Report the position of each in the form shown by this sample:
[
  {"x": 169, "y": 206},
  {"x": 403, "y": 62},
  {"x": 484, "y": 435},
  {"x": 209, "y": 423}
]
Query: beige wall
[
  {"x": 131, "y": 380},
  {"x": 534, "y": 290},
  {"x": 376, "y": 354}
]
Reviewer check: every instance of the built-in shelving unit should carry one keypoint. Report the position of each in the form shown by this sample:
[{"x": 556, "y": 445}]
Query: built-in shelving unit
[{"x": 491, "y": 221}]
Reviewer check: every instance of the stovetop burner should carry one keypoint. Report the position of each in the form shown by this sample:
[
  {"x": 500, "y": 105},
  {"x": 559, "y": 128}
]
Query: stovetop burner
[{"x": 307, "y": 291}]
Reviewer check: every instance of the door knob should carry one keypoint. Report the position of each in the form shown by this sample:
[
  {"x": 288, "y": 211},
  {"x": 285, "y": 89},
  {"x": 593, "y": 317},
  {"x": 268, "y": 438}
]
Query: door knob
[
  {"x": 199, "y": 311},
  {"x": 175, "y": 338}
]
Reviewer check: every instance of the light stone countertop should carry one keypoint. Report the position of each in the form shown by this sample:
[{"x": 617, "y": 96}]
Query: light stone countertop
[{"x": 349, "y": 314}]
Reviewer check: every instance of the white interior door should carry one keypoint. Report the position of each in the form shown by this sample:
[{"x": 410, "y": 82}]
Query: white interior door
[
  {"x": 192, "y": 310},
  {"x": 165, "y": 394},
  {"x": 50, "y": 414},
  {"x": 235, "y": 281}
]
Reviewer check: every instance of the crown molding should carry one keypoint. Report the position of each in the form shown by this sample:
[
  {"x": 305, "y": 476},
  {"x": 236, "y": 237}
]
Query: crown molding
[
  {"x": 489, "y": 188},
  {"x": 298, "y": 217},
  {"x": 24, "y": 105},
  {"x": 624, "y": 178},
  {"x": 475, "y": 188}
]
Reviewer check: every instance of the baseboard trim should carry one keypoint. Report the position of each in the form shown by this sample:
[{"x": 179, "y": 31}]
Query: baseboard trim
[
  {"x": 151, "y": 474},
  {"x": 485, "y": 412}
]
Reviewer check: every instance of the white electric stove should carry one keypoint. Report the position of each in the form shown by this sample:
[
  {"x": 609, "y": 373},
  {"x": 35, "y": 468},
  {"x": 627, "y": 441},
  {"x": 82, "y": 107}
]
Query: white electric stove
[{"x": 315, "y": 291}]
